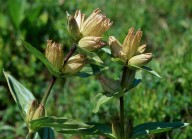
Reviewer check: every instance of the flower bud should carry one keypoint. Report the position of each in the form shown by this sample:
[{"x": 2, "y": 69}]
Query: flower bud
[
  {"x": 91, "y": 43},
  {"x": 73, "y": 28},
  {"x": 141, "y": 49},
  {"x": 40, "y": 112},
  {"x": 54, "y": 54},
  {"x": 75, "y": 64},
  {"x": 116, "y": 48},
  {"x": 140, "y": 60},
  {"x": 109, "y": 85},
  {"x": 32, "y": 108}
]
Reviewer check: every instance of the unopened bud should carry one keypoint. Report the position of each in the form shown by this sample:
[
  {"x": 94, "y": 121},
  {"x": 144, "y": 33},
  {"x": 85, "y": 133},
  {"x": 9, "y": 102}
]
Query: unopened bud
[
  {"x": 116, "y": 48},
  {"x": 91, "y": 43},
  {"x": 40, "y": 112},
  {"x": 109, "y": 85},
  {"x": 73, "y": 28},
  {"x": 54, "y": 54},
  {"x": 75, "y": 64},
  {"x": 140, "y": 60},
  {"x": 141, "y": 49},
  {"x": 32, "y": 108},
  {"x": 116, "y": 129}
]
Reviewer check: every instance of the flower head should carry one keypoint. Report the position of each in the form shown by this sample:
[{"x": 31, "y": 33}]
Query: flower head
[
  {"x": 54, "y": 54},
  {"x": 93, "y": 27},
  {"x": 130, "y": 51}
]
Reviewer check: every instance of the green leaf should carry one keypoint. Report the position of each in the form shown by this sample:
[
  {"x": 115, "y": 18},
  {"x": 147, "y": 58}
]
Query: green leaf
[
  {"x": 96, "y": 129},
  {"x": 156, "y": 127},
  {"x": 42, "y": 57},
  {"x": 118, "y": 60},
  {"x": 57, "y": 123},
  {"x": 91, "y": 70},
  {"x": 100, "y": 99},
  {"x": 106, "y": 50},
  {"x": 16, "y": 11},
  {"x": 93, "y": 58},
  {"x": 147, "y": 69},
  {"x": 22, "y": 96},
  {"x": 45, "y": 133}
]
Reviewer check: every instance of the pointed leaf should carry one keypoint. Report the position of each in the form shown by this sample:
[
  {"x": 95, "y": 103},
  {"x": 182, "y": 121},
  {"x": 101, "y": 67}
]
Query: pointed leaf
[
  {"x": 22, "y": 96},
  {"x": 100, "y": 99},
  {"x": 93, "y": 58},
  {"x": 147, "y": 69},
  {"x": 42, "y": 58},
  {"x": 57, "y": 123},
  {"x": 91, "y": 70},
  {"x": 156, "y": 127},
  {"x": 106, "y": 50},
  {"x": 96, "y": 129}
]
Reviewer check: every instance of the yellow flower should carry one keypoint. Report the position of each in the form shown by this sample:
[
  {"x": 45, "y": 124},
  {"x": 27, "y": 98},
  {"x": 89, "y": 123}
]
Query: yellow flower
[
  {"x": 54, "y": 54},
  {"x": 129, "y": 50},
  {"x": 94, "y": 26}
]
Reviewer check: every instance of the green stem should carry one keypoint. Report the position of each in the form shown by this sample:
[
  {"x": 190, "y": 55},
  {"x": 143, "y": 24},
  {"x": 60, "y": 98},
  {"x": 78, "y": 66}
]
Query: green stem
[
  {"x": 43, "y": 101},
  {"x": 30, "y": 135},
  {"x": 121, "y": 99}
]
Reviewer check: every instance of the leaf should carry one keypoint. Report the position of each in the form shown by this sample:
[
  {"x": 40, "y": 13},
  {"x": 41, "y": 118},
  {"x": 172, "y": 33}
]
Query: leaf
[
  {"x": 22, "y": 96},
  {"x": 100, "y": 99},
  {"x": 91, "y": 70},
  {"x": 57, "y": 123},
  {"x": 93, "y": 58},
  {"x": 118, "y": 60},
  {"x": 16, "y": 11},
  {"x": 45, "y": 133},
  {"x": 147, "y": 69},
  {"x": 96, "y": 129},
  {"x": 156, "y": 127},
  {"x": 42, "y": 58},
  {"x": 106, "y": 50}
]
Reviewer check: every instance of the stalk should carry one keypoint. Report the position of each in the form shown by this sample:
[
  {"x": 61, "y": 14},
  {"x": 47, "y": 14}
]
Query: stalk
[
  {"x": 121, "y": 100},
  {"x": 30, "y": 135}
]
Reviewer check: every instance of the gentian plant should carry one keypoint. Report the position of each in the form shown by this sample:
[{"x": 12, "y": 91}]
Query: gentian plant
[{"x": 81, "y": 60}]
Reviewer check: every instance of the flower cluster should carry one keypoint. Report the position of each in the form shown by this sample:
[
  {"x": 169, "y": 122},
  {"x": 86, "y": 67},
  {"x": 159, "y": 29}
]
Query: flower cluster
[
  {"x": 130, "y": 51},
  {"x": 88, "y": 32}
]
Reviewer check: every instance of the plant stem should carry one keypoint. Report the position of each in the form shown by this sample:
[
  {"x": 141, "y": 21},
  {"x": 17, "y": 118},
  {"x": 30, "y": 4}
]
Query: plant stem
[
  {"x": 43, "y": 101},
  {"x": 121, "y": 99},
  {"x": 30, "y": 135},
  {"x": 72, "y": 50}
]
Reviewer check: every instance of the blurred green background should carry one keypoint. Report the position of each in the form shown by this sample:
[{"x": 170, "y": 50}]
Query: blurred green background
[{"x": 167, "y": 29}]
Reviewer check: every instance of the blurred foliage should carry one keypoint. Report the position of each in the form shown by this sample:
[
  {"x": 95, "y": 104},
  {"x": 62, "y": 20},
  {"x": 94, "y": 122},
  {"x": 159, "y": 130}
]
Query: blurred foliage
[{"x": 167, "y": 31}]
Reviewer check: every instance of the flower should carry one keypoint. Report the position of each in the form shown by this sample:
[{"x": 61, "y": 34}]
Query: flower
[
  {"x": 93, "y": 27},
  {"x": 74, "y": 64},
  {"x": 130, "y": 51},
  {"x": 54, "y": 54}
]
